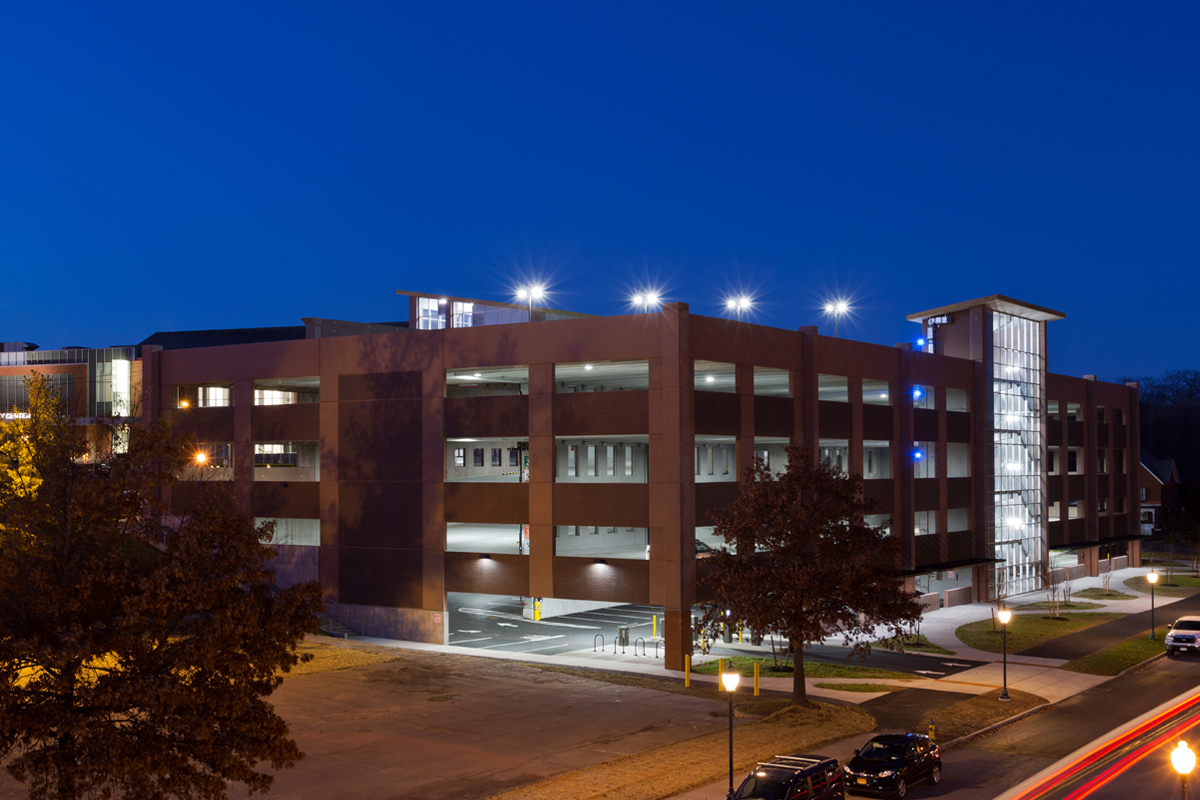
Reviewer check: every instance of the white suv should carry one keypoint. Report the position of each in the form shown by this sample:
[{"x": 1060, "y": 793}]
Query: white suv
[{"x": 1184, "y": 636}]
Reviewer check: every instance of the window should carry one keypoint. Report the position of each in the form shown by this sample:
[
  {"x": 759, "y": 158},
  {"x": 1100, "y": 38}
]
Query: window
[
  {"x": 460, "y": 456},
  {"x": 958, "y": 460},
  {"x": 1100, "y": 414},
  {"x": 1102, "y": 461},
  {"x": 833, "y": 388},
  {"x": 714, "y": 376},
  {"x": 496, "y": 451},
  {"x": 924, "y": 460},
  {"x": 772, "y": 382},
  {"x": 1102, "y": 506},
  {"x": 1144, "y": 494},
  {"x": 1148, "y": 517},
  {"x": 764, "y": 456},
  {"x": 1119, "y": 461},
  {"x": 1073, "y": 461},
  {"x": 922, "y": 396},
  {"x": 958, "y": 519},
  {"x": 479, "y": 456},
  {"x": 628, "y": 461},
  {"x": 957, "y": 400},
  {"x": 1118, "y": 416},
  {"x": 877, "y": 461},
  {"x": 1052, "y": 461},
  {"x": 725, "y": 459},
  {"x": 431, "y": 314},
  {"x": 924, "y": 523},
  {"x": 876, "y": 393},
  {"x": 214, "y": 396},
  {"x": 572, "y": 456},
  {"x": 591, "y": 457},
  {"x": 601, "y": 376},
  {"x": 610, "y": 467},
  {"x": 1073, "y": 509},
  {"x": 1072, "y": 412},
  {"x": 287, "y": 391},
  {"x": 835, "y": 453},
  {"x": 1052, "y": 410},
  {"x": 514, "y": 457}
]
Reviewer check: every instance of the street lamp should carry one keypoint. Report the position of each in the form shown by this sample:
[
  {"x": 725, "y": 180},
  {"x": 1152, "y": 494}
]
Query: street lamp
[
  {"x": 837, "y": 309},
  {"x": 1005, "y": 615},
  {"x": 730, "y": 681},
  {"x": 1152, "y": 578},
  {"x": 738, "y": 305},
  {"x": 529, "y": 294},
  {"x": 1184, "y": 761}
]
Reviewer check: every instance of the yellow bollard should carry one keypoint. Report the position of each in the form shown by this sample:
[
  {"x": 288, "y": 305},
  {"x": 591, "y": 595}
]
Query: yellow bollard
[
  {"x": 654, "y": 626},
  {"x": 756, "y": 679},
  {"x": 537, "y": 610},
  {"x": 740, "y": 634},
  {"x": 720, "y": 668},
  {"x": 687, "y": 671}
]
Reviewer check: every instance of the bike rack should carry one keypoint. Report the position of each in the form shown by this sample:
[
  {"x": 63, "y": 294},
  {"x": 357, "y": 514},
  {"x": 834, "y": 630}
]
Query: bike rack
[
  {"x": 643, "y": 641},
  {"x": 599, "y": 636},
  {"x": 656, "y": 644}
]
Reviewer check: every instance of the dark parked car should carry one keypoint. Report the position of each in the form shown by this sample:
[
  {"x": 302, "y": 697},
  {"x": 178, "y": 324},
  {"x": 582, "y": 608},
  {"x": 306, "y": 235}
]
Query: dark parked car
[
  {"x": 1182, "y": 638},
  {"x": 793, "y": 778},
  {"x": 890, "y": 763}
]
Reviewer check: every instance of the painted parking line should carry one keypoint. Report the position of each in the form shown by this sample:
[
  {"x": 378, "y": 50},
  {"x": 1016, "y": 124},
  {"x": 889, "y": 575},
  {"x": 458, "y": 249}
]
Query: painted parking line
[{"x": 468, "y": 641}]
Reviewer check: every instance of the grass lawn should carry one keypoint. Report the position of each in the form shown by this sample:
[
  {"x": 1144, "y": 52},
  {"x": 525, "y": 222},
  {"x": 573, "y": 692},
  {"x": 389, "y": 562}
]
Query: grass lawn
[
  {"x": 1099, "y": 594},
  {"x": 1072, "y": 606},
  {"x": 1183, "y": 585},
  {"x": 675, "y": 768},
  {"x": 1121, "y": 656},
  {"x": 1027, "y": 630},
  {"x": 976, "y": 713},
  {"x": 812, "y": 669},
  {"x": 329, "y": 657},
  {"x": 910, "y": 645},
  {"x": 859, "y": 687}
]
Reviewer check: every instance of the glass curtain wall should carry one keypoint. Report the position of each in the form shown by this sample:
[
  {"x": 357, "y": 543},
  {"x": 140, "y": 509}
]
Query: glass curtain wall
[{"x": 1015, "y": 524}]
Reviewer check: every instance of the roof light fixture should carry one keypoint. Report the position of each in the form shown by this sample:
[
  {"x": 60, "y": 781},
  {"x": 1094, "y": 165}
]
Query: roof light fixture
[{"x": 837, "y": 308}]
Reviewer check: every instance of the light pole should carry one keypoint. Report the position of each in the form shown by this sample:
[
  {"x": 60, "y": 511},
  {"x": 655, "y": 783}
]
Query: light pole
[
  {"x": 529, "y": 294},
  {"x": 1184, "y": 761},
  {"x": 838, "y": 309},
  {"x": 738, "y": 305},
  {"x": 730, "y": 681},
  {"x": 1005, "y": 615},
  {"x": 1152, "y": 579},
  {"x": 646, "y": 300}
]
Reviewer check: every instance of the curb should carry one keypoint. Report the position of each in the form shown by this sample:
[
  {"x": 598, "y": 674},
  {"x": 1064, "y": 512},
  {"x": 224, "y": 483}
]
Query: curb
[{"x": 997, "y": 726}]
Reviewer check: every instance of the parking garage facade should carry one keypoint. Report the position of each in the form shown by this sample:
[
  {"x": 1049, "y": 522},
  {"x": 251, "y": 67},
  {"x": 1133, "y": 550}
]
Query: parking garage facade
[{"x": 575, "y": 459}]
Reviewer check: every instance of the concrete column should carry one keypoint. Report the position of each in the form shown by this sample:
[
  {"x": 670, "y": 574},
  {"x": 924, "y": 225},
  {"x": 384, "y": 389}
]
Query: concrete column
[
  {"x": 433, "y": 477},
  {"x": 541, "y": 480},
  {"x": 243, "y": 443},
  {"x": 675, "y": 506}
]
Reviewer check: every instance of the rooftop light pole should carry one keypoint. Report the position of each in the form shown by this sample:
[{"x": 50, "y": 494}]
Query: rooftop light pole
[
  {"x": 529, "y": 294},
  {"x": 837, "y": 309},
  {"x": 729, "y": 680},
  {"x": 738, "y": 305},
  {"x": 645, "y": 300}
]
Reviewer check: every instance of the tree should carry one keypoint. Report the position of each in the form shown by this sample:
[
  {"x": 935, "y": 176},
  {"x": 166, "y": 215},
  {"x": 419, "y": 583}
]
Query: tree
[
  {"x": 806, "y": 565},
  {"x": 131, "y": 666}
]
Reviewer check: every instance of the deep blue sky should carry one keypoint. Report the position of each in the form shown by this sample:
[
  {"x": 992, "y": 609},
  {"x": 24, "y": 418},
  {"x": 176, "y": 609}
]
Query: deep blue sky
[{"x": 175, "y": 166}]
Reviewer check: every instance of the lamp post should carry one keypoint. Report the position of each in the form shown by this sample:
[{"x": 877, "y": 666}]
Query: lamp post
[
  {"x": 838, "y": 309},
  {"x": 645, "y": 300},
  {"x": 529, "y": 294},
  {"x": 730, "y": 681},
  {"x": 1005, "y": 615},
  {"x": 1184, "y": 761},
  {"x": 738, "y": 305},
  {"x": 1152, "y": 579}
]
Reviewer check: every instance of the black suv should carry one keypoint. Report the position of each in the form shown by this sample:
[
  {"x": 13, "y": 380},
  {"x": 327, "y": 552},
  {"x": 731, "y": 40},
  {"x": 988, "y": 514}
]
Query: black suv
[
  {"x": 793, "y": 778},
  {"x": 890, "y": 763}
]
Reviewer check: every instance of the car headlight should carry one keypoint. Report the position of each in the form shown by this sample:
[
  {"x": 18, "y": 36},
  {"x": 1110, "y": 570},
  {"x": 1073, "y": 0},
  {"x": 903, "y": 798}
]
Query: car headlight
[{"x": 887, "y": 773}]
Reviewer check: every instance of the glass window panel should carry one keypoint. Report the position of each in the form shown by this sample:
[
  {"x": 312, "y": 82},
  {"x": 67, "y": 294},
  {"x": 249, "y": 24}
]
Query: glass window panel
[
  {"x": 958, "y": 460},
  {"x": 957, "y": 400},
  {"x": 602, "y": 376},
  {"x": 876, "y": 393},
  {"x": 877, "y": 461},
  {"x": 835, "y": 453},
  {"x": 772, "y": 382},
  {"x": 922, "y": 397},
  {"x": 487, "y": 381},
  {"x": 924, "y": 460},
  {"x": 715, "y": 376},
  {"x": 833, "y": 388}
]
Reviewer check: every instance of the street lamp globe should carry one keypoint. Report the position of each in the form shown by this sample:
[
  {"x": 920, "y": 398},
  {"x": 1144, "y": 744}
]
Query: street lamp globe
[
  {"x": 1005, "y": 615},
  {"x": 730, "y": 680},
  {"x": 1153, "y": 578},
  {"x": 1183, "y": 759}
]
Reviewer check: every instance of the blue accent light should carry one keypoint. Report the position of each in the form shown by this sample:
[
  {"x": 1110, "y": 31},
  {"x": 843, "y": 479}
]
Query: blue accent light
[
  {"x": 920, "y": 342},
  {"x": 917, "y": 455},
  {"x": 916, "y": 394}
]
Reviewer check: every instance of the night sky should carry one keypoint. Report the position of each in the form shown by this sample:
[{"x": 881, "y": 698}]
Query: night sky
[{"x": 168, "y": 166}]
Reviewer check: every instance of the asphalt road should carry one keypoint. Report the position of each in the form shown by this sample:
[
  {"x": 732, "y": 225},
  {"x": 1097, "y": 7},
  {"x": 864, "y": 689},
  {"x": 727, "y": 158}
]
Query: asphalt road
[
  {"x": 988, "y": 767},
  {"x": 1077, "y": 645},
  {"x": 489, "y": 622}
]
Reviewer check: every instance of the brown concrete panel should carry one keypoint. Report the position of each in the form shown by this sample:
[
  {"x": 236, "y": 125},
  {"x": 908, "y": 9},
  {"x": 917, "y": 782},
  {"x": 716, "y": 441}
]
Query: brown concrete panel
[
  {"x": 497, "y": 574},
  {"x": 619, "y": 504},
  {"x": 186, "y": 495},
  {"x": 541, "y": 540},
  {"x": 1076, "y": 487},
  {"x": 774, "y": 416},
  {"x": 848, "y": 357},
  {"x": 836, "y": 420},
  {"x": 727, "y": 340},
  {"x": 1056, "y": 489},
  {"x": 925, "y": 425},
  {"x": 286, "y": 500},
  {"x": 379, "y": 386},
  {"x": 928, "y": 549},
  {"x": 329, "y": 513},
  {"x": 475, "y": 417},
  {"x": 433, "y": 517},
  {"x": 1076, "y": 434},
  {"x": 329, "y": 441},
  {"x": 206, "y": 424},
  {"x": 1119, "y": 435},
  {"x": 380, "y": 515},
  {"x": 958, "y": 427},
  {"x": 541, "y": 576},
  {"x": 541, "y": 417},
  {"x": 877, "y": 422},
  {"x": 1102, "y": 430},
  {"x": 380, "y": 577},
  {"x": 289, "y": 359},
  {"x": 1077, "y": 531},
  {"x": 960, "y": 547},
  {"x": 433, "y": 580},
  {"x": 715, "y": 495},
  {"x": 1054, "y": 433},
  {"x": 553, "y": 341},
  {"x": 500, "y": 503},
  {"x": 618, "y": 580},
  {"x": 541, "y": 500},
  {"x": 925, "y": 494},
  {"x": 327, "y": 569},
  {"x": 958, "y": 493},
  {"x": 1121, "y": 487},
  {"x": 717, "y": 414},
  {"x": 600, "y": 413},
  {"x": 654, "y": 406},
  {"x": 300, "y": 422},
  {"x": 541, "y": 460},
  {"x": 880, "y": 494},
  {"x": 380, "y": 440},
  {"x": 1056, "y": 534},
  {"x": 1102, "y": 488}
]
